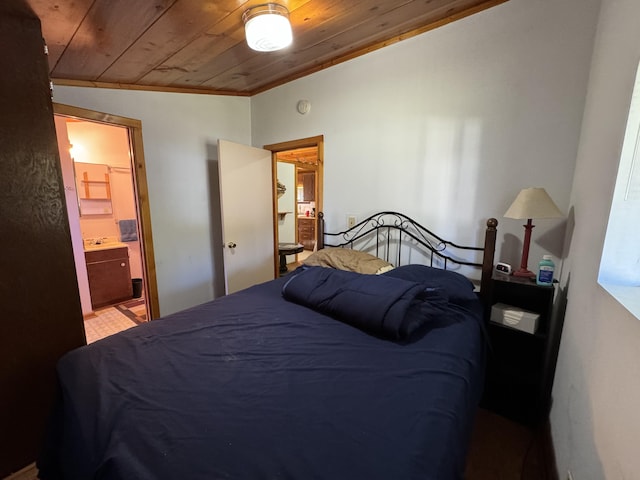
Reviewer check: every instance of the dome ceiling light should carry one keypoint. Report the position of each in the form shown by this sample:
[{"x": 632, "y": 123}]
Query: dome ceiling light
[{"x": 267, "y": 27}]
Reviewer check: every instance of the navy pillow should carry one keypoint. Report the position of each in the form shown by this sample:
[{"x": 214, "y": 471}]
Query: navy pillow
[{"x": 456, "y": 286}]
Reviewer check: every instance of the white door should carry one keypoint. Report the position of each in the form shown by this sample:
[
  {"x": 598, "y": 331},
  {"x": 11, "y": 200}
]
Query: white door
[{"x": 246, "y": 198}]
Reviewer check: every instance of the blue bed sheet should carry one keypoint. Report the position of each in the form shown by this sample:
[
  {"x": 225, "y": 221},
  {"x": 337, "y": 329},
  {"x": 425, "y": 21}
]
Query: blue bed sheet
[{"x": 251, "y": 386}]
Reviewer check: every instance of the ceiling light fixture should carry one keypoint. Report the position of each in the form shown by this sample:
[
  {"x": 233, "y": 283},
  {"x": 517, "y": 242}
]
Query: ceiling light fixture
[{"x": 267, "y": 27}]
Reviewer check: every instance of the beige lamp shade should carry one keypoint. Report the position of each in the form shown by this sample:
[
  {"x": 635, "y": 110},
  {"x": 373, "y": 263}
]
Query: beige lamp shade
[{"x": 533, "y": 203}]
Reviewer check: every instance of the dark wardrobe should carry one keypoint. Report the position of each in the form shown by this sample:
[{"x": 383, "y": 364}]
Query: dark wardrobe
[{"x": 41, "y": 316}]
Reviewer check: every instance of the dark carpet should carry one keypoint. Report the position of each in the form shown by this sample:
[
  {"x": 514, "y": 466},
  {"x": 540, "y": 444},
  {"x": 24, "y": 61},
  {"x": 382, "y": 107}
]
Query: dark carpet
[{"x": 505, "y": 450}]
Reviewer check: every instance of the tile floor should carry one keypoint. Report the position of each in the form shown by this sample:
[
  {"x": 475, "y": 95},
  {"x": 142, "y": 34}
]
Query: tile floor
[{"x": 106, "y": 322}]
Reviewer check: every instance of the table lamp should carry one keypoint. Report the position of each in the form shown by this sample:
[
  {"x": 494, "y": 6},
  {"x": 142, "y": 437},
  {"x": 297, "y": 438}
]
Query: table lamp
[{"x": 531, "y": 203}]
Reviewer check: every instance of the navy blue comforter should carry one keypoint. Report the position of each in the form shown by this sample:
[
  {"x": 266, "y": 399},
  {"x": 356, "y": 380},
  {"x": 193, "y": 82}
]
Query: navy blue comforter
[
  {"x": 252, "y": 386},
  {"x": 389, "y": 307}
]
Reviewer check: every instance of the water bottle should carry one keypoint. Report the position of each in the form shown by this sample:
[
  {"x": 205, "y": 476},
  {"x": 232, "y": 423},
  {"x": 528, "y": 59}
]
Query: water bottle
[{"x": 545, "y": 271}]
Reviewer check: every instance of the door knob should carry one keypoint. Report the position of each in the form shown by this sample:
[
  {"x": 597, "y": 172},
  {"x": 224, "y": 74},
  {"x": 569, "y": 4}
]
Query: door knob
[{"x": 231, "y": 245}]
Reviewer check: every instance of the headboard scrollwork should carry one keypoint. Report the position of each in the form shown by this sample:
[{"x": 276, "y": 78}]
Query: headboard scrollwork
[{"x": 399, "y": 240}]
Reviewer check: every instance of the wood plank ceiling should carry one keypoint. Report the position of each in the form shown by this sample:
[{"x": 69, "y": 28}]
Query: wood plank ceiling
[
  {"x": 199, "y": 45},
  {"x": 301, "y": 155}
]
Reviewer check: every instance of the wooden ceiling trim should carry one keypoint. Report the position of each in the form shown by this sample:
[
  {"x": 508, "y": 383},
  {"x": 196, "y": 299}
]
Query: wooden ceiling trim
[
  {"x": 104, "y": 36},
  {"x": 168, "y": 34},
  {"x": 147, "y": 88}
]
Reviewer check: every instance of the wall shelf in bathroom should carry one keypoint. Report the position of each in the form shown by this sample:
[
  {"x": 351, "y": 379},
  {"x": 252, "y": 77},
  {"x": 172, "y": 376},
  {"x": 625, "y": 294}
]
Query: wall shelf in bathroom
[
  {"x": 93, "y": 187},
  {"x": 103, "y": 185},
  {"x": 281, "y": 215}
]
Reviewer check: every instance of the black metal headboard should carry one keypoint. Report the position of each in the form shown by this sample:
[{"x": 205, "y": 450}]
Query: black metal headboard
[{"x": 390, "y": 235}]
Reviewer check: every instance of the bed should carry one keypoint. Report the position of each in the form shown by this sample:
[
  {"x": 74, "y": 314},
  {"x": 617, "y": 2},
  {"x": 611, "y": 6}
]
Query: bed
[{"x": 324, "y": 373}]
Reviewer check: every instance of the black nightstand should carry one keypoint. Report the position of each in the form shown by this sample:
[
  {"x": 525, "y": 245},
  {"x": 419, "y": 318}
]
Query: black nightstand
[{"x": 521, "y": 365}]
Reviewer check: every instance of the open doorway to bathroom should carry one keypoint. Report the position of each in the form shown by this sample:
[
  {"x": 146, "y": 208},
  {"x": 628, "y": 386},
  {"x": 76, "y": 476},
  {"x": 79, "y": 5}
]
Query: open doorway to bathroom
[{"x": 106, "y": 192}]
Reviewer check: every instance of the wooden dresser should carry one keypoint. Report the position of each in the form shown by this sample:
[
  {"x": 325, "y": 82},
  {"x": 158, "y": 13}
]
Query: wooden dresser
[{"x": 307, "y": 232}]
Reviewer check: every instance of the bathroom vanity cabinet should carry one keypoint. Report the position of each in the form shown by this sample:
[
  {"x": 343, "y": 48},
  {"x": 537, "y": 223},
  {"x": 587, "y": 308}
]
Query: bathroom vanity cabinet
[{"x": 109, "y": 276}]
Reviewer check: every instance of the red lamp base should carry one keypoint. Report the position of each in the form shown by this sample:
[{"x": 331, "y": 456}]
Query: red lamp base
[{"x": 523, "y": 272}]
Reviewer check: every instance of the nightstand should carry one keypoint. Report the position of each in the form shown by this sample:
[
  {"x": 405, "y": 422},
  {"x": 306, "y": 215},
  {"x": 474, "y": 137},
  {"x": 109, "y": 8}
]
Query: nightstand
[{"x": 521, "y": 365}]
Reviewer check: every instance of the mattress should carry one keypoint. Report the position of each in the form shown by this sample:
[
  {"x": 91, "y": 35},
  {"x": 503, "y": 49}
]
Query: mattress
[{"x": 253, "y": 386}]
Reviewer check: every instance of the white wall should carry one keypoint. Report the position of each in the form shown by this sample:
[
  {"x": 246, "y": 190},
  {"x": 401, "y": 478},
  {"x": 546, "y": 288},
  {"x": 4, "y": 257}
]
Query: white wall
[
  {"x": 595, "y": 419},
  {"x": 180, "y": 134},
  {"x": 450, "y": 125}
]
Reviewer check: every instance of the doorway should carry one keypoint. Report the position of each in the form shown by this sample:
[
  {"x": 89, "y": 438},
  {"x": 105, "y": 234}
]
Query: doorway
[
  {"x": 126, "y": 222},
  {"x": 297, "y": 198}
]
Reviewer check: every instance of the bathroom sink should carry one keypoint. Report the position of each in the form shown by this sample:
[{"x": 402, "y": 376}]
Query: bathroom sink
[{"x": 104, "y": 246}]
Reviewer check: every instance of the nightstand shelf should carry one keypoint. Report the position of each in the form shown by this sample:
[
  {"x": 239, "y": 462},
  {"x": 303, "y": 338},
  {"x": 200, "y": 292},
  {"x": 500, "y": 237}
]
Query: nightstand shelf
[
  {"x": 521, "y": 365},
  {"x": 540, "y": 336}
]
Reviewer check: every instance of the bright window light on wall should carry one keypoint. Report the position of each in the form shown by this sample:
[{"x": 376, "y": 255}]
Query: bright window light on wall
[
  {"x": 619, "y": 273},
  {"x": 267, "y": 27}
]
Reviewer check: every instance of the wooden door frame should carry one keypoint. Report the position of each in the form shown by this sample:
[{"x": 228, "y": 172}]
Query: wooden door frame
[
  {"x": 141, "y": 191},
  {"x": 318, "y": 142}
]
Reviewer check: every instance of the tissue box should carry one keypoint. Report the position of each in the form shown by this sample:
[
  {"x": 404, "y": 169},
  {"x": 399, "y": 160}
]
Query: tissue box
[{"x": 515, "y": 317}]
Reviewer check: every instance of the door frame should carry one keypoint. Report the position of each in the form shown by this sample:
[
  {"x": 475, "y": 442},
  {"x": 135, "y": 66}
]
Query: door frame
[
  {"x": 141, "y": 192},
  {"x": 318, "y": 142}
]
